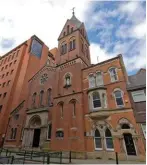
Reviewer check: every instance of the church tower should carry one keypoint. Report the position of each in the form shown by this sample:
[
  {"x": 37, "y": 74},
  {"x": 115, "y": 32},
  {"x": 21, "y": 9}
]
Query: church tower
[
  {"x": 73, "y": 42},
  {"x": 68, "y": 113}
]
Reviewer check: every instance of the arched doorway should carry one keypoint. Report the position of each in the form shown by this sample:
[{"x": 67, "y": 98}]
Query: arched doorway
[
  {"x": 129, "y": 143},
  {"x": 35, "y": 124}
]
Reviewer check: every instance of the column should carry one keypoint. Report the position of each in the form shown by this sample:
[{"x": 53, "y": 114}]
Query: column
[{"x": 43, "y": 136}]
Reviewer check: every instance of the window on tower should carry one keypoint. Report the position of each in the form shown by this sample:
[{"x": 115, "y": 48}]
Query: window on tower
[
  {"x": 63, "y": 48},
  {"x": 67, "y": 29},
  {"x": 72, "y": 45},
  {"x": 86, "y": 51},
  {"x": 67, "y": 80}
]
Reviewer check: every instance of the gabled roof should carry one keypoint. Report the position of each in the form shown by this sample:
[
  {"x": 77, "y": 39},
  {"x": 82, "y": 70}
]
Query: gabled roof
[
  {"x": 138, "y": 80},
  {"x": 75, "y": 22},
  {"x": 72, "y": 21}
]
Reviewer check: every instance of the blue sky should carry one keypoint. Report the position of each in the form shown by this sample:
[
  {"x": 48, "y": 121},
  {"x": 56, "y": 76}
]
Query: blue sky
[{"x": 113, "y": 27}]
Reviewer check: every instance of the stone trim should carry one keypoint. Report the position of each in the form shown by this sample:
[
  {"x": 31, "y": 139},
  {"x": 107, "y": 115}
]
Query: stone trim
[{"x": 44, "y": 109}]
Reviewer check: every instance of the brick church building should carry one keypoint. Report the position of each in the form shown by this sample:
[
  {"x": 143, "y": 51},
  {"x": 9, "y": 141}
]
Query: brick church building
[{"x": 57, "y": 100}]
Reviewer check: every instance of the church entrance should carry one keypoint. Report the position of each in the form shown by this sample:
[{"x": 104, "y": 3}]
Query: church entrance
[
  {"x": 36, "y": 138},
  {"x": 129, "y": 144}
]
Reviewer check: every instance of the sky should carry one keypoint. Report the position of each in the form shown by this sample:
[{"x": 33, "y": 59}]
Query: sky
[{"x": 113, "y": 27}]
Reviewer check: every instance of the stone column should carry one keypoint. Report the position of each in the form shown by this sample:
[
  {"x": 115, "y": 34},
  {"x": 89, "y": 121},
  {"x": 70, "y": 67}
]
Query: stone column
[
  {"x": 30, "y": 137},
  {"x": 43, "y": 136},
  {"x": 25, "y": 142},
  {"x": 137, "y": 148}
]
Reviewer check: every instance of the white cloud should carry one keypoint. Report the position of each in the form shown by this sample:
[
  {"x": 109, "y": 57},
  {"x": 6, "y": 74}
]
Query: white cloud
[
  {"x": 140, "y": 30},
  {"x": 20, "y": 19},
  {"x": 99, "y": 54},
  {"x": 129, "y": 7}
]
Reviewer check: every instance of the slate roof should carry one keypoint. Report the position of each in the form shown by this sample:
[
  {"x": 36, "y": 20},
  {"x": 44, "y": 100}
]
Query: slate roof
[
  {"x": 137, "y": 81},
  {"x": 75, "y": 21}
]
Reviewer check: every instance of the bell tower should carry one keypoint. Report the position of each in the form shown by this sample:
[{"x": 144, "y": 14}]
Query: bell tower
[{"x": 73, "y": 42}]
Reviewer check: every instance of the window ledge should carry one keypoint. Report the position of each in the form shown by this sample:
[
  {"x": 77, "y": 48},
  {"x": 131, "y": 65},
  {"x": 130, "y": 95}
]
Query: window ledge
[
  {"x": 59, "y": 138},
  {"x": 107, "y": 149},
  {"x": 67, "y": 86},
  {"x": 98, "y": 149},
  {"x": 11, "y": 140},
  {"x": 95, "y": 88}
]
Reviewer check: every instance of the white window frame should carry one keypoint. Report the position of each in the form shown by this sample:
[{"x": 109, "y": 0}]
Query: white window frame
[
  {"x": 97, "y": 149},
  {"x": 47, "y": 131},
  {"x": 91, "y": 75},
  {"x": 144, "y": 131},
  {"x": 102, "y": 81},
  {"x": 122, "y": 94},
  {"x": 99, "y": 99},
  {"x": 105, "y": 106},
  {"x": 111, "y": 76},
  {"x": 138, "y": 92},
  {"x": 108, "y": 149}
]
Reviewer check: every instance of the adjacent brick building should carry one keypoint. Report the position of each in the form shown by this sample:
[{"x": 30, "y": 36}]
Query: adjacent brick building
[
  {"x": 137, "y": 91},
  {"x": 68, "y": 104}
]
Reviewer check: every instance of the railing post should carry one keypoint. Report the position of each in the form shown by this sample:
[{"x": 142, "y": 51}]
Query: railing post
[
  {"x": 24, "y": 157},
  {"x": 69, "y": 156},
  {"x": 43, "y": 157},
  {"x": 48, "y": 159},
  {"x": 116, "y": 157},
  {"x": 6, "y": 152},
  {"x": 12, "y": 159},
  {"x": 1, "y": 151},
  {"x": 61, "y": 157},
  {"x": 31, "y": 153}
]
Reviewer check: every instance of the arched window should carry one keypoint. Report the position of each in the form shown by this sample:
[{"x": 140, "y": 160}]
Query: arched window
[
  {"x": 96, "y": 100},
  {"x": 73, "y": 102},
  {"x": 60, "y": 134},
  {"x": 49, "y": 97},
  {"x": 119, "y": 98},
  {"x": 72, "y": 44},
  {"x": 125, "y": 126},
  {"x": 34, "y": 99},
  {"x": 15, "y": 132},
  {"x": 109, "y": 140},
  {"x": 97, "y": 140},
  {"x": 104, "y": 100},
  {"x": 61, "y": 109},
  {"x": 11, "y": 135},
  {"x": 49, "y": 131},
  {"x": 99, "y": 79},
  {"x": 63, "y": 48},
  {"x": 113, "y": 74},
  {"x": 91, "y": 81},
  {"x": 67, "y": 29},
  {"x": 86, "y": 51},
  {"x": 67, "y": 81},
  {"x": 41, "y": 97},
  {"x": 82, "y": 45}
]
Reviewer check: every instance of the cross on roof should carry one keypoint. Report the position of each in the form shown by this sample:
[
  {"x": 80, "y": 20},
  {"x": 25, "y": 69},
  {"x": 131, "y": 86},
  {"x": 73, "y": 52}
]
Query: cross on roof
[{"x": 73, "y": 12}]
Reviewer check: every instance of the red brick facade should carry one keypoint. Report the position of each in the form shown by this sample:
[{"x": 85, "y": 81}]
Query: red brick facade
[{"x": 55, "y": 89}]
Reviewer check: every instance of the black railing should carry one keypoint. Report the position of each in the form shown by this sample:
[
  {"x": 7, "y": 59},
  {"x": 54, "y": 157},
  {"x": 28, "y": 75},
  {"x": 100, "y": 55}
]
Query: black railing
[{"x": 33, "y": 157}]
